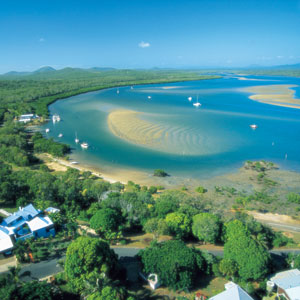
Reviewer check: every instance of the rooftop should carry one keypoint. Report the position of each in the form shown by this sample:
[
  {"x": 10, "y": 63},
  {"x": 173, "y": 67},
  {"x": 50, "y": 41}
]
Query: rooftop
[
  {"x": 26, "y": 213},
  {"x": 5, "y": 240},
  {"x": 38, "y": 223},
  {"x": 232, "y": 292},
  {"x": 290, "y": 282}
]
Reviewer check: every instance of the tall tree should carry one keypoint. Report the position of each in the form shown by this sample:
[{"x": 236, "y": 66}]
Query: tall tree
[
  {"x": 175, "y": 264},
  {"x": 251, "y": 258},
  {"x": 89, "y": 260}
]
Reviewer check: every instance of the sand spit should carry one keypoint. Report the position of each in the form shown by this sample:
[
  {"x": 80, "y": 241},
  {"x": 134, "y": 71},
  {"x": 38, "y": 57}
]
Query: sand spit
[
  {"x": 170, "y": 87},
  {"x": 279, "y": 94},
  {"x": 148, "y": 130}
]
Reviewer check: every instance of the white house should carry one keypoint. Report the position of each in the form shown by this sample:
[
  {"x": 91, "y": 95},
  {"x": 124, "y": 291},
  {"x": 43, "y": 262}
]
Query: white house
[
  {"x": 6, "y": 243},
  {"x": 27, "y": 118},
  {"x": 232, "y": 292},
  {"x": 288, "y": 284},
  {"x": 27, "y": 222}
]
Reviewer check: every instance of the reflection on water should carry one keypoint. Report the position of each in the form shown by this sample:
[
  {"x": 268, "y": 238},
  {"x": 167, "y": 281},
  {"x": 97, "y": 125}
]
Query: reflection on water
[{"x": 129, "y": 129}]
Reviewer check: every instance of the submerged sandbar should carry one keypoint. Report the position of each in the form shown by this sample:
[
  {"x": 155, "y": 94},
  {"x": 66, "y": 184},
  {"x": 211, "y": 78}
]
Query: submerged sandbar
[
  {"x": 277, "y": 94},
  {"x": 150, "y": 131}
]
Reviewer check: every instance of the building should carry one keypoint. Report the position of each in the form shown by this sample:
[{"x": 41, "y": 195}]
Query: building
[
  {"x": 27, "y": 222},
  {"x": 6, "y": 243},
  {"x": 232, "y": 292},
  {"x": 27, "y": 118},
  {"x": 288, "y": 284}
]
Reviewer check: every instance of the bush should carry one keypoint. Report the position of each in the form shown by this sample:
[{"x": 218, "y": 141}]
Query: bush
[
  {"x": 293, "y": 198},
  {"x": 152, "y": 189},
  {"x": 201, "y": 190},
  {"x": 160, "y": 173}
]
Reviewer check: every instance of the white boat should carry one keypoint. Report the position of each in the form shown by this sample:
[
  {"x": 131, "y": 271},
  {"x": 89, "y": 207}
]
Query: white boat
[
  {"x": 47, "y": 130},
  {"x": 253, "y": 126},
  {"x": 197, "y": 104},
  {"x": 74, "y": 162},
  {"x": 60, "y": 135},
  {"x": 76, "y": 138},
  {"x": 149, "y": 97},
  {"x": 190, "y": 98},
  {"x": 131, "y": 87},
  {"x": 118, "y": 91},
  {"x": 84, "y": 145},
  {"x": 55, "y": 118}
]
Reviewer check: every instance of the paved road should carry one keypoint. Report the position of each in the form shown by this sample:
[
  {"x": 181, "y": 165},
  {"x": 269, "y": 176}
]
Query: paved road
[
  {"x": 47, "y": 268},
  {"x": 42, "y": 269}
]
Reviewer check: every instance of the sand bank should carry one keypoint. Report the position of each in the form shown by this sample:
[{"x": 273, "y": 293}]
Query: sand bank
[
  {"x": 170, "y": 87},
  {"x": 279, "y": 94},
  {"x": 154, "y": 132}
]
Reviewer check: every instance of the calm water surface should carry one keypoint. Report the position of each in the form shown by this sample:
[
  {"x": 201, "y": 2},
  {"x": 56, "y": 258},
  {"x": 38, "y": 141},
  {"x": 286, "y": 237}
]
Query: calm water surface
[{"x": 210, "y": 140}]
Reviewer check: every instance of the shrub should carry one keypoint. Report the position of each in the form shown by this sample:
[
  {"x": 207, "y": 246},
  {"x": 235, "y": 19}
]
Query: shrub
[
  {"x": 160, "y": 173},
  {"x": 201, "y": 190}
]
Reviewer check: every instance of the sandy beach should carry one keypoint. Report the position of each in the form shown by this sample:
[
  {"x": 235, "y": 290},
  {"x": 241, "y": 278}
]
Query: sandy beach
[
  {"x": 280, "y": 95},
  {"x": 242, "y": 179}
]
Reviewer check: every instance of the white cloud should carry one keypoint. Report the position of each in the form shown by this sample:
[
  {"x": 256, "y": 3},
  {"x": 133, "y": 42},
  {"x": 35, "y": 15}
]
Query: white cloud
[
  {"x": 42, "y": 40},
  {"x": 144, "y": 44}
]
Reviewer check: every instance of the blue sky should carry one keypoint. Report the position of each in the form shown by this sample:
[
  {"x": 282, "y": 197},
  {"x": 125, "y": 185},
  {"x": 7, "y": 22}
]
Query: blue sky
[{"x": 148, "y": 33}]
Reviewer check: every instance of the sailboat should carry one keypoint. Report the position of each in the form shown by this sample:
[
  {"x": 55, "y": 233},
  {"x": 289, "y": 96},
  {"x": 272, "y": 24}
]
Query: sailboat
[
  {"x": 118, "y": 91},
  {"x": 55, "y": 118},
  {"x": 84, "y": 145},
  {"x": 76, "y": 138},
  {"x": 197, "y": 104}
]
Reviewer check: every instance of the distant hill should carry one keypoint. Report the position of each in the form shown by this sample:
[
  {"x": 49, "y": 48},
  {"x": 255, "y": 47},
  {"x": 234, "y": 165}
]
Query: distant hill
[
  {"x": 51, "y": 73},
  {"x": 15, "y": 73},
  {"x": 44, "y": 69},
  {"x": 286, "y": 67}
]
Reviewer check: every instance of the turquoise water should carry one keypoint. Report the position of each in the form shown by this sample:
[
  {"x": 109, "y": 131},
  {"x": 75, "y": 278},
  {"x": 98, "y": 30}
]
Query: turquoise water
[{"x": 196, "y": 142}]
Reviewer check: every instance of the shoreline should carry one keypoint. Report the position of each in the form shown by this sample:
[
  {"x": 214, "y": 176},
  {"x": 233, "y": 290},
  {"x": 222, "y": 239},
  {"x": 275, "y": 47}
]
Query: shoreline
[
  {"x": 276, "y": 94},
  {"x": 241, "y": 178}
]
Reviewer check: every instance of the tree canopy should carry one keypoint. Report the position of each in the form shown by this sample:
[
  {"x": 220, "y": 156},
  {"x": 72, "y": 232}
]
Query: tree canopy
[
  {"x": 175, "y": 264},
  {"x": 179, "y": 224},
  {"x": 106, "y": 220},
  {"x": 89, "y": 259},
  {"x": 251, "y": 258},
  {"x": 206, "y": 227}
]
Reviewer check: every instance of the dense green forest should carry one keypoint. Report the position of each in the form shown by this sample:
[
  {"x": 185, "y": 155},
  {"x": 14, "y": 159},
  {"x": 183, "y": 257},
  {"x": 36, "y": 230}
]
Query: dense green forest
[{"x": 31, "y": 93}]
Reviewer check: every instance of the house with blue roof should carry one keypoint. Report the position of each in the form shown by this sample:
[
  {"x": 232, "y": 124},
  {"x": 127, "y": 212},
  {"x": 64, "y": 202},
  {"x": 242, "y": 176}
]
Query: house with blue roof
[{"x": 27, "y": 222}]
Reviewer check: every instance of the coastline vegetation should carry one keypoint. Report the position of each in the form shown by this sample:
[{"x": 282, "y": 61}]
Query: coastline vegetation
[{"x": 32, "y": 93}]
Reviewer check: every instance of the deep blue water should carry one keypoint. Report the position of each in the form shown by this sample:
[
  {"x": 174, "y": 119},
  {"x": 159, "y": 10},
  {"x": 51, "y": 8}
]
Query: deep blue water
[{"x": 214, "y": 139}]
